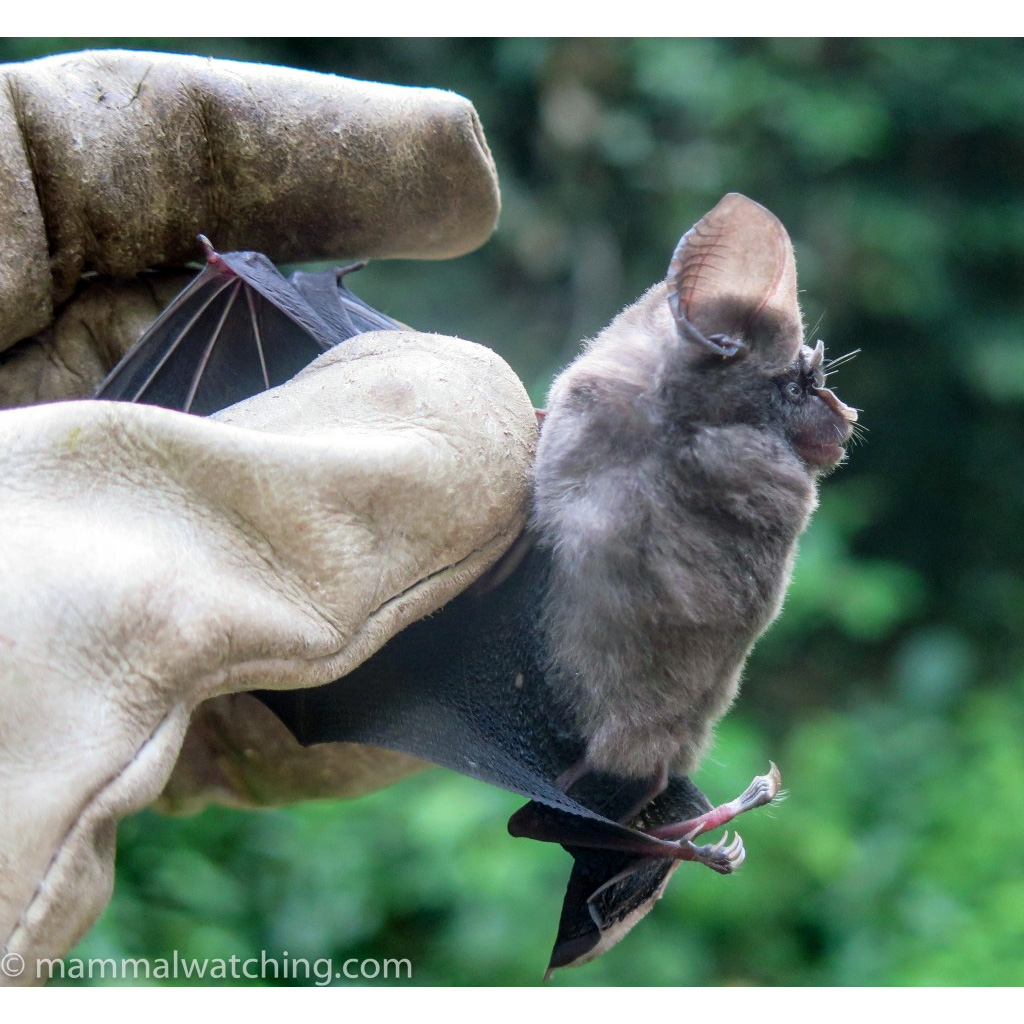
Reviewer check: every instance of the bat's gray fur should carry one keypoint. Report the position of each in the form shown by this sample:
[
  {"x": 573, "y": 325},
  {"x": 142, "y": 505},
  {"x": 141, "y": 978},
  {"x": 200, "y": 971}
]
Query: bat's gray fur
[{"x": 673, "y": 479}]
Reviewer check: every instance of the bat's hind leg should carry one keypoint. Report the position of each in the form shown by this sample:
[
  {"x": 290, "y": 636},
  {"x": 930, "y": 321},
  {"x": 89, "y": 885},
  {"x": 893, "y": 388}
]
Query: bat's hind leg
[
  {"x": 762, "y": 790},
  {"x": 655, "y": 787},
  {"x": 652, "y": 788}
]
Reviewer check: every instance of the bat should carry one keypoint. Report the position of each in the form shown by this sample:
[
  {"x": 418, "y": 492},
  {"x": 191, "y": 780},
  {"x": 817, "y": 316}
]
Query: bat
[{"x": 676, "y": 468}]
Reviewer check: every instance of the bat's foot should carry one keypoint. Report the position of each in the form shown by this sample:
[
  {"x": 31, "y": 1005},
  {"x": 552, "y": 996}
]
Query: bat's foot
[
  {"x": 723, "y": 857},
  {"x": 762, "y": 790}
]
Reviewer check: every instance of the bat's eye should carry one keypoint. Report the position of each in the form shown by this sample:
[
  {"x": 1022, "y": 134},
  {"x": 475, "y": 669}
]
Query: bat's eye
[{"x": 793, "y": 391}]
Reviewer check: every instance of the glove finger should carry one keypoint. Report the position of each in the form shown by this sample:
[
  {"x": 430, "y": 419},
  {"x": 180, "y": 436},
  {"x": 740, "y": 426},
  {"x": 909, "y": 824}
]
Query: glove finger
[{"x": 113, "y": 161}]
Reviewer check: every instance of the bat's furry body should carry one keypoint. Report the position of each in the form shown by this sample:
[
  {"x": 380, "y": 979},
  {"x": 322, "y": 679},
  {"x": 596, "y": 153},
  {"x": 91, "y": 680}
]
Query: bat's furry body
[
  {"x": 672, "y": 529},
  {"x": 674, "y": 476}
]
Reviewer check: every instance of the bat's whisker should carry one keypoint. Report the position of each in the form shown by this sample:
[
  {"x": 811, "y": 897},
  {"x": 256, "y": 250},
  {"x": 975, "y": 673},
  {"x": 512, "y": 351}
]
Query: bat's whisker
[{"x": 831, "y": 365}]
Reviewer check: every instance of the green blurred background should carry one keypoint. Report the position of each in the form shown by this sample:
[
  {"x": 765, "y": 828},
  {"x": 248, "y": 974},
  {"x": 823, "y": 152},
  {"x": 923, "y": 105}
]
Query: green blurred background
[{"x": 891, "y": 690}]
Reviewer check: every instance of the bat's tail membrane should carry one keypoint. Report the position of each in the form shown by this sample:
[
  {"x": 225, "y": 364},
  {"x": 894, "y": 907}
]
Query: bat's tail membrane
[{"x": 238, "y": 329}]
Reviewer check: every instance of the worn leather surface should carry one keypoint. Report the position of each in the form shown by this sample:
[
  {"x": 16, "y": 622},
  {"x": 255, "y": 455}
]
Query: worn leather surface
[
  {"x": 113, "y": 161},
  {"x": 152, "y": 560}
]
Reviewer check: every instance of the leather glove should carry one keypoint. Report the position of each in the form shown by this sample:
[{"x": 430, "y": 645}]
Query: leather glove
[{"x": 153, "y": 561}]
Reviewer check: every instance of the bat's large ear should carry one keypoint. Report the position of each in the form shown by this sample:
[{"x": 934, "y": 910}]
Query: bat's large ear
[{"x": 732, "y": 283}]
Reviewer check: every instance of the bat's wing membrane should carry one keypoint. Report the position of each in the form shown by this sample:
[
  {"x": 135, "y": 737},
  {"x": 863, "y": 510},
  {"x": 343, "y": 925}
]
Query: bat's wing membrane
[
  {"x": 610, "y": 891},
  {"x": 467, "y": 688},
  {"x": 238, "y": 329},
  {"x": 338, "y": 305}
]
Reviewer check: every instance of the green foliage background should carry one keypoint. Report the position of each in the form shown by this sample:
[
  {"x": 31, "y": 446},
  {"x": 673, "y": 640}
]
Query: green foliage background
[{"x": 890, "y": 692}]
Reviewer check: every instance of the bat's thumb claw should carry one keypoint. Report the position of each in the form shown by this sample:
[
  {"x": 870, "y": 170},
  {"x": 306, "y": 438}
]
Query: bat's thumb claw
[{"x": 212, "y": 256}]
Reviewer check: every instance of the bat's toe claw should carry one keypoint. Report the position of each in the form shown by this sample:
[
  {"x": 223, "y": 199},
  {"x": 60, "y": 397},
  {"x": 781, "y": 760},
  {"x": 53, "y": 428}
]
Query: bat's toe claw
[{"x": 723, "y": 857}]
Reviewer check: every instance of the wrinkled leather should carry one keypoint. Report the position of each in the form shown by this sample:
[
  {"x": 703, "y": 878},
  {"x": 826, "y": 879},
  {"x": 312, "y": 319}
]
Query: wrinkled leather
[
  {"x": 92, "y": 331},
  {"x": 152, "y": 560},
  {"x": 112, "y": 161}
]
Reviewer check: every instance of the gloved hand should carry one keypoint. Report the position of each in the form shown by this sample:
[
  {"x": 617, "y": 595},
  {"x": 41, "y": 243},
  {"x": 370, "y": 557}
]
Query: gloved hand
[{"x": 151, "y": 560}]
